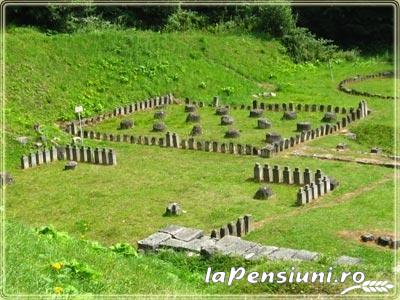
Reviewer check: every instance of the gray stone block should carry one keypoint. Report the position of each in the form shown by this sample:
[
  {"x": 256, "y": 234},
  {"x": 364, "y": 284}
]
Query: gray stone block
[
  {"x": 347, "y": 260},
  {"x": 188, "y": 234},
  {"x": 305, "y": 255},
  {"x": 282, "y": 253},
  {"x": 153, "y": 241}
]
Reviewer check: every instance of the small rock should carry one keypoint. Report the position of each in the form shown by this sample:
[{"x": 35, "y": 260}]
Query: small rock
[
  {"x": 367, "y": 237},
  {"x": 159, "y": 127},
  {"x": 351, "y": 136},
  {"x": 126, "y": 124},
  {"x": 71, "y": 165},
  {"x": 341, "y": 146},
  {"x": 303, "y": 126},
  {"x": 159, "y": 115},
  {"x": 334, "y": 183},
  {"x": 263, "y": 124},
  {"x": 376, "y": 150},
  {"x": 193, "y": 117},
  {"x": 384, "y": 240},
  {"x": 232, "y": 133},
  {"x": 23, "y": 140},
  {"x": 289, "y": 115},
  {"x": 329, "y": 117},
  {"x": 173, "y": 209},
  {"x": 256, "y": 113},
  {"x": 221, "y": 111},
  {"x": 263, "y": 193},
  {"x": 190, "y": 108},
  {"x": 347, "y": 260},
  {"x": 208, "y": 251},
  {"x": 196, "y": 130},
  {"x": 6, "y": 178},
  {"x": 227, "y": 120}
]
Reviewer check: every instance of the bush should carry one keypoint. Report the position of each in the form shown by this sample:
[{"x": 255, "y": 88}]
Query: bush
[
  {"x": 303, "y": 46},
  {"x": 184, "y": 20}
]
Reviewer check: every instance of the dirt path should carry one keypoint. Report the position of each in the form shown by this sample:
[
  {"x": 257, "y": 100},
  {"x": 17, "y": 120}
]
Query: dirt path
[{"x": 322, "y": 204}]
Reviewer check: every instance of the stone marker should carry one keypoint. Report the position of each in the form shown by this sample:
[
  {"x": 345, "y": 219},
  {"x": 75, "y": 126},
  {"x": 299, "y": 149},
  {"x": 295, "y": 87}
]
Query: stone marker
[
  {"x": 341, "y": 146},
  {"x": 193, "y": 117},
  {"x": 329, "y": 117},
  {"x": 347, "y": 260},
  {"x": 126, "y": 124},
  {"x": 5, "y": 178},
  {"x": 232, "y": 133},
  {"x": 383, "y": 240},
  {"x": 376, "y": 150},
  {"x": 367, "y": 237},
  {"x": 196, "y": 130},
  {"x": 272, "y": 137},
  {"x": 173, "y": 209},
  {"x": 263, "y": 124},
  {"x": 263, "y": 193},
  {"x": 153, "y": 241},
  {"x": 190, "y": 108},
  {"x": 70, "y": 165},
  {"x": 303, "y": 126},
  {"x": 256, "y": 113},
  {"x": 221, "y": 111},
  {"x": 159, "y": 115},
  {"x": 289, "y": 115},
  {"x": 159, "y": 127},
  {"x": 227, "y": 120}
]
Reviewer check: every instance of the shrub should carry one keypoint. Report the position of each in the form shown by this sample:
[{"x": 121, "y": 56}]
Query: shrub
[
  {"x": 184, "y": 20},
  {"x": 303, "y": 46}
]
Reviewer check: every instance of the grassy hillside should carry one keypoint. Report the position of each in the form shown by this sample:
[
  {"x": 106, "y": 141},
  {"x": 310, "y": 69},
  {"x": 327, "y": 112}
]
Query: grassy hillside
[{"x": 47, "y": 75}]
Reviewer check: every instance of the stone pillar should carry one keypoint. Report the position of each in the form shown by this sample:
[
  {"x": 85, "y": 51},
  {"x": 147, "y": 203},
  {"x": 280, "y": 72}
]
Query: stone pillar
[
  {"x": 200, "y": 145},
  {"x": 276, "y": 174},
  {"x": 287, "y": 176},
  {"x": 223, "y": 231},
  {"x": 308, "y": 193},
  {"x": 112, "y": 159},
  {"x": 90, "y": 155},
  {"x": 320, "y": 187},
  {"x": 258, "y": 173},
  {"x": 327, "y": 184},
  {"x": 46, "y": 156},
  {"x": 24, "y": 162},
  {"x": 240, "y": 227},
  {"x": 223, "y": 148},
  {"x": 232, "y": 228},
  {"x": 75, "y": 154},
  {"x": 184, "y": 144},
  {"x": 192, "y": 144},
  {"x": 53, "y": 153},
  {"x": 307, "y": 176},
  {"x": 215, "y": 146},
  {"x": 98, "y": 159},
  {"x": 248, "y": 223},
  {"x": 214, "y": 234},
  {"x": 255, "y": 105},
  {"x": 176, "y": 140},
  {"x": 267, "y": 172},
  {"x": 318, "y": 175},
  {"x": 104, "y": 156},
  {"x": 248, "y": 149},
  {"x": 207, "y": 146},
  {"x": 39, "y": 157},
  {"x": 301, "y": 197},
  {"x": 32, "y": 159},
  {"x": 314, "y": 190},
  {"x": 297, "y": 177},
  {"x": 232, "y": 148}
]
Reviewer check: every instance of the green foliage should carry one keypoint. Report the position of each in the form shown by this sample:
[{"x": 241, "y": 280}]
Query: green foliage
[
  {"x": 303, "y": 46},
  {"x": 184, "y": 20},
  {"x": 124, "y": 249},
  {"x": 376, "y": 135}
]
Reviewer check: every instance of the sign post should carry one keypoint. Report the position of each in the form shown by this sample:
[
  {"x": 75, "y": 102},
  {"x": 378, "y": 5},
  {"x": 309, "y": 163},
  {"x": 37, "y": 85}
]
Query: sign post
[{"x": 78, "y": 110}]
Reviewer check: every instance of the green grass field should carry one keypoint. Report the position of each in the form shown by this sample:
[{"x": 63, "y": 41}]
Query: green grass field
[
  {"x": 382, "y": 86},
  {"x": 47, "y": 75}
]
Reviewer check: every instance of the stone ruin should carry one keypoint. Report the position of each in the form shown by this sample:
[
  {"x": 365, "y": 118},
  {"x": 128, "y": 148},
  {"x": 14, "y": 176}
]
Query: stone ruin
[
  {"x": 70, "y": 165},
  {"x": 263, "y": 193},
  {"x": 303, "y": 126},
  {"x": 159, "y": 127},
  {"x": 160, "y": 115},
  {"x": 240, "y": 228},
  {"x": 232, "y": 133},
  {"x": 382, "y": 240},
  {"x": 173, "y": 209},
  {"x": 329, "y": 117},
  {"x": 193, "y": 117},
  {"x": 289, "y": 115},
  {"x": 196, "y": 130},
  {"x": 190, "y": 108},
  {"x": 272, "y": 137},
  {"x": 263, "y": 124},
  {"x": 227, "y": 120},
  {"x": 221, "y": 111},
  {"x": 256, "y": 113},
  {"x": 126, "y": 124}
]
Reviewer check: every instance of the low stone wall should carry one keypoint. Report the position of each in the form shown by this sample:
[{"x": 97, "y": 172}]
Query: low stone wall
[
  {"x": 241, "y": 227},
  {"x": 100, "y": 156},
  {"x": 314, "y": 184},
  {"x": 342, "y": 85},
  {"x": 361, "y": 112},
  {"x": 151, "y": 103}
]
